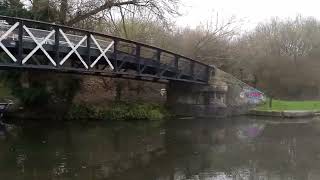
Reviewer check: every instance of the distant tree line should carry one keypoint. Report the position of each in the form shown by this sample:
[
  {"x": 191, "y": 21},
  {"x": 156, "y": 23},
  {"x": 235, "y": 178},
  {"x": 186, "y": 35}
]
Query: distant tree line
[{"x": 282, "y": 57}]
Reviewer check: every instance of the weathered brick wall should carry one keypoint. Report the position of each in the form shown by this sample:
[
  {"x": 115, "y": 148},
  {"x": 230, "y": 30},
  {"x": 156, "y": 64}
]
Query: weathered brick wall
[{"x": 103, "y": 90}]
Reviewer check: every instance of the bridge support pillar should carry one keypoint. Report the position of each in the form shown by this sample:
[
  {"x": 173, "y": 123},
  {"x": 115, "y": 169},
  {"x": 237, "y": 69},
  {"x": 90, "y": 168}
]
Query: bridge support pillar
[
  {"x": 186, "y": 99},
  {"x": 223, "y": 96}
]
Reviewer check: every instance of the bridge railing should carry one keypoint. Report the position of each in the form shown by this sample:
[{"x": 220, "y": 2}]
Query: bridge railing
[{"x": 165, "y": 64}]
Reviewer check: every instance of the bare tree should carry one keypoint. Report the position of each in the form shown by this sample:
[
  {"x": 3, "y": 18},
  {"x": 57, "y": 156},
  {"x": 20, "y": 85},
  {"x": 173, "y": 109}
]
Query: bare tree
[
  {"x": 208, "y": 42},
  {"x": 282, "y": 54},
  {"x": 84, "y": 9}
]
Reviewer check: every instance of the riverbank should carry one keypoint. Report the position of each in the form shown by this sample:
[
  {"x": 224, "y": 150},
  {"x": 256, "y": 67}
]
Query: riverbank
[
  {"x": 286, "y": 114},
  {"x": 288, "y": 109},
  {"x": 119, "y": 111},
  {"x": 85, "y": 107}
]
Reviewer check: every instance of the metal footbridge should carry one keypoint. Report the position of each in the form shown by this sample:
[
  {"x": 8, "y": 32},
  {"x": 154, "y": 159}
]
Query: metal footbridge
[{"x": 28, "y": 44}]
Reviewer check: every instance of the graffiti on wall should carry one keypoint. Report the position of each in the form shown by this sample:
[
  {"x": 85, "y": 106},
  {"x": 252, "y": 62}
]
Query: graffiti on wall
[{"x": 252, "y": 96}]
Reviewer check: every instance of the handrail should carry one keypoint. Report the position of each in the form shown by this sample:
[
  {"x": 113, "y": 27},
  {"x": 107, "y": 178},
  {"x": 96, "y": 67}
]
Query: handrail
[{"x": 8, "y": 18}]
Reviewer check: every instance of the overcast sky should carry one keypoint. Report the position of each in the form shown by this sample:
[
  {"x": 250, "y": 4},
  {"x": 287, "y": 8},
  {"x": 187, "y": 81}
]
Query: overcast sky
[{"x": 250, "y": 11}]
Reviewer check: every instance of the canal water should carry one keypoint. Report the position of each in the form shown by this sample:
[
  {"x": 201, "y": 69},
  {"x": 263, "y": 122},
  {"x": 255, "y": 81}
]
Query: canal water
[{"x": 242, "y": 148}]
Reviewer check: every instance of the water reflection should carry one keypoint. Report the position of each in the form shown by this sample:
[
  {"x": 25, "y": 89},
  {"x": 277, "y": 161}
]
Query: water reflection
[{"x": 238, "y": 148}]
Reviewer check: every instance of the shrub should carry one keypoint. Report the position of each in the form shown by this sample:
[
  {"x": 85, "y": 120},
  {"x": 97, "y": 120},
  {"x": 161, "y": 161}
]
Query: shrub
[
  {"x": 135, "y": 111},
  {"x": 119, "y": 111},
  {"x": 81, "y": 111}
]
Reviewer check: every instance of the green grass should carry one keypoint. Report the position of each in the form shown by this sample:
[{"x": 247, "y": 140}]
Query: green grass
[{"x": 280, "y": 105}]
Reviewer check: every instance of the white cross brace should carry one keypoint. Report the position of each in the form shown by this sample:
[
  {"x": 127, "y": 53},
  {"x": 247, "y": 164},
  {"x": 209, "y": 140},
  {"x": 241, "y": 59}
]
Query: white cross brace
[
  {"x": 103, "y": 53},
  {"x": 39, "y": 46},
  {"x": 4, "y": 36},
  {"x": 74, "y": 49}
]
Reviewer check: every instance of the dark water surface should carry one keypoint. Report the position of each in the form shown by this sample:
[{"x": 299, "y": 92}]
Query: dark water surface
[{"x": 239, "y": 148}]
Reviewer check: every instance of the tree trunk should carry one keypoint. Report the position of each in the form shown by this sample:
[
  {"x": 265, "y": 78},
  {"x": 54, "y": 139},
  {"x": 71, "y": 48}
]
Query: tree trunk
[
  {"x": 63, "y": 11},
  {"x": 270, "y": 102},
  {"x": 107, "y": 5}
]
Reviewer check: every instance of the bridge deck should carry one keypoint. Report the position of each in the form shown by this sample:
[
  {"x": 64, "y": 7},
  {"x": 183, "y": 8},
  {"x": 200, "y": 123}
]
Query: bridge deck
[{"x": 43, "y": 46}]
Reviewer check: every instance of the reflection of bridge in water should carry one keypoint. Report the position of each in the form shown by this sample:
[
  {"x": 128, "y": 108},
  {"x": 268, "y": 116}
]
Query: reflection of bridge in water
[{"x": 44, "y": 46}]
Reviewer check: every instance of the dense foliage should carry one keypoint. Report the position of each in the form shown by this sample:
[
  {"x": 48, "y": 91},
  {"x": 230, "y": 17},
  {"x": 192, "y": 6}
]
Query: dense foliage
[{"x": 41, "y": 89}]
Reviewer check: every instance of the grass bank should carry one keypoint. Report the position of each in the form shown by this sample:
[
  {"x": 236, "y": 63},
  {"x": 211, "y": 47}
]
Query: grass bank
[{"x": 281, "y": 105}]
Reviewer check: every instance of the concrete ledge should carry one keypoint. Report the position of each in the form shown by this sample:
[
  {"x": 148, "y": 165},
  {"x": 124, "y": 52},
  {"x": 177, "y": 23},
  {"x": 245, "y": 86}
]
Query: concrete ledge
[{"x": 285, "y": 114}]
